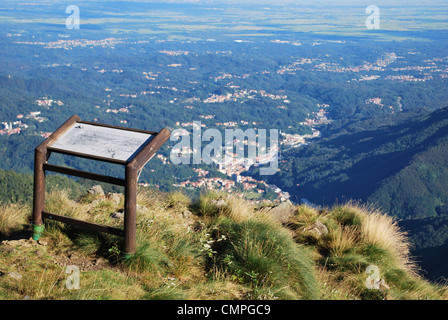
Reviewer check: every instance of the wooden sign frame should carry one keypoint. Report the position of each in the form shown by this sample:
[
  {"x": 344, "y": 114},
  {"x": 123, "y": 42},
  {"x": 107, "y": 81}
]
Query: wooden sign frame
[{"x": 133, "y": 164}]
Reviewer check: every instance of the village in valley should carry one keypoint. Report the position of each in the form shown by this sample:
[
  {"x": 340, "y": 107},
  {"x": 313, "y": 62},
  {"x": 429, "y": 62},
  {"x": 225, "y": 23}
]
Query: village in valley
[{"x": 157, "y": 83}]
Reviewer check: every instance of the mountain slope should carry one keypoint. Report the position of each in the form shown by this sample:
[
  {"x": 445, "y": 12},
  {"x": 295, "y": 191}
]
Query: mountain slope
[
  {"x": 18, "y": 187},
  {"x": 429, "y": 238},
  {"x": 402, "y": 168}
]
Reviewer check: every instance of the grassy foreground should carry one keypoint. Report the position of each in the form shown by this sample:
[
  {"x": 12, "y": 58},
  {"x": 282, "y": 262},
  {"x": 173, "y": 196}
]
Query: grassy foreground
[{"x": 216, "y": 247}]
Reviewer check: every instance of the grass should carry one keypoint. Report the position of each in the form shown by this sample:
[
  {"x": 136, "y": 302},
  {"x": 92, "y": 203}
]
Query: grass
[
  {"x": 215, "y": 247},
  {"x": 264, "y": 257},
  {"x": 13, "y": 217}
]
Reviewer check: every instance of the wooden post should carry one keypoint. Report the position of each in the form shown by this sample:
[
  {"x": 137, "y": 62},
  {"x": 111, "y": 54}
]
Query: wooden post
[
  {"x": 130, "y": 209},
  {"x": 40, "y": 157},
  {"x": 130, "y": 197}
]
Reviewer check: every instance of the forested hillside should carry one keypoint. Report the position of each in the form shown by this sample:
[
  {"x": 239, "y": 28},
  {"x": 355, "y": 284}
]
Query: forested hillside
[
  {"x": 18, "y": 187},
  {"x": 402, "y": 168},
  {"x": 429, "y": 237}
]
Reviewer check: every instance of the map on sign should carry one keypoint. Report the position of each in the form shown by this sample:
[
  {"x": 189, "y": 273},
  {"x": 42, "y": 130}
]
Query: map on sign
[{"x": 106, "y": 142}]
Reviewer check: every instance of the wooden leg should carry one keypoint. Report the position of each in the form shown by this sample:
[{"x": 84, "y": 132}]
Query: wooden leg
[
  {"x": 40, "y": 157},
  {"x": 130, "y": 210}
]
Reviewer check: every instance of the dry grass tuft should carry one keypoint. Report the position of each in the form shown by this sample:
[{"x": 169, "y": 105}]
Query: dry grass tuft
[
  {"x": 343, "y": 240},
  {"x": 239, "y": 209},
  {"x": 13, "y": 217},
  {"x": 379, "y": 229}
]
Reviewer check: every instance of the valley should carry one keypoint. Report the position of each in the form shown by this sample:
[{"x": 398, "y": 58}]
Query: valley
[{"x": 361, "y": 114}]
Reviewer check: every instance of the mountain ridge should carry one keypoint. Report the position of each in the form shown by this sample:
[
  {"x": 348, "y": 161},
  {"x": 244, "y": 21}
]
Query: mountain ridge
[{"x": 215, "y": 247}]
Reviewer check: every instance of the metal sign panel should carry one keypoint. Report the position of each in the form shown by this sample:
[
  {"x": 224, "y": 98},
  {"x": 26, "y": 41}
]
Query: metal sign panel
[{"x": 105, "y": 142}]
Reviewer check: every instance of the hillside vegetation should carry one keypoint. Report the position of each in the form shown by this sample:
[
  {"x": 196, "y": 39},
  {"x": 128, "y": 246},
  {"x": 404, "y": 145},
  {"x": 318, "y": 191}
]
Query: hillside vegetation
[
  {"x": 400, "y": 167},
  {"x": 215, "y": 247},
  {"x": 429, "y": 237},
  {"x": 18, "y": 187}
]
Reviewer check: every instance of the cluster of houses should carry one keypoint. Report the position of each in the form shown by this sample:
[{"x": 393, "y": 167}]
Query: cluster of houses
[
  {"x": 45, "y": 102},
  {"x": 10, "y": 128},
  {"x": 240, "y": 94},
  {"x": 15, "y": 127},
  {"x": 233, "y": 185}
]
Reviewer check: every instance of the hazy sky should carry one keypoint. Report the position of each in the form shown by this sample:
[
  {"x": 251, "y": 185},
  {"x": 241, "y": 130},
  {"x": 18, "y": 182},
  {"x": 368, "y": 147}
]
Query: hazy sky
[
  {"x": 264, "y": 17},
  {"x": 314, "y": 2},
  {"x": 296, "y": 2}
]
